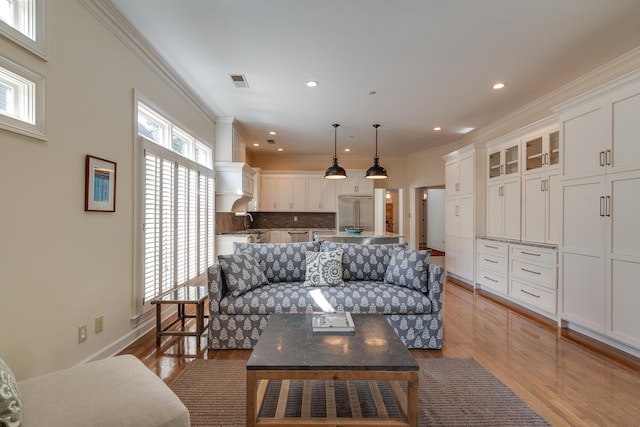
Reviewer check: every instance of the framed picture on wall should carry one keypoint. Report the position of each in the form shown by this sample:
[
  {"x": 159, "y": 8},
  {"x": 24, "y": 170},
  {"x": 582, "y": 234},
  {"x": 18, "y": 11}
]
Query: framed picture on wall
[{"x": 100, "y": 185}]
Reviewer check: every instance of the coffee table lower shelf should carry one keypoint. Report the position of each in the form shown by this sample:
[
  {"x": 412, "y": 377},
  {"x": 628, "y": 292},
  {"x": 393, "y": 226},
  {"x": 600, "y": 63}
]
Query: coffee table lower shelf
[{"x": 257, "y": 382}]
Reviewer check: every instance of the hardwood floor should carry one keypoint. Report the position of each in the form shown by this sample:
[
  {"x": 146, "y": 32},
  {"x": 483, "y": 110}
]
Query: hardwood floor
[{"x": 569, "y": 379}]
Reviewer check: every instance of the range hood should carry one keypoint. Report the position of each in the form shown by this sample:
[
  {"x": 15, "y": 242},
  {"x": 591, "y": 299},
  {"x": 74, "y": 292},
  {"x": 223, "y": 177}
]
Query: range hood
[{"x": 234, "y": 186}]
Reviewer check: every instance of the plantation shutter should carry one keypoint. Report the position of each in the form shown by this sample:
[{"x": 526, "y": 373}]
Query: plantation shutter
[{"x": 179, "y": 220}]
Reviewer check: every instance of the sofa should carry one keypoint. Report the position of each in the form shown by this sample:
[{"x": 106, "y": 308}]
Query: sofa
[
  {"x": 116, "y": 391},
  {"x": 260, "y": 279}
]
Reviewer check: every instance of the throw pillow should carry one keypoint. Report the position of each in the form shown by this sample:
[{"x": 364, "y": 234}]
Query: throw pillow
[
  {"x": 10, "y": 407},
  {"x": 409, "y": 268},
  {"x": 242, "y": 273},
  {"x": 324, "y": 269}
]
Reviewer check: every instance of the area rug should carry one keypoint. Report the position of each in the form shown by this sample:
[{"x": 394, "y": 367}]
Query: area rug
[{"x": 453, "y": 392}]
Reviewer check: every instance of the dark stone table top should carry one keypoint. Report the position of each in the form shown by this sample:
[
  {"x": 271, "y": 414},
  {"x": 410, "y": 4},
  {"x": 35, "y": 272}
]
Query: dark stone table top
[{"x": 288, "y": 343}]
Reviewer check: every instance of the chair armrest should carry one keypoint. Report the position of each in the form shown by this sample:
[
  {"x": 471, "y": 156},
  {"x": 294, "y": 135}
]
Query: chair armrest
[
  {"x": 435, "y": 286},
  {"x": 217, "y": 287}
]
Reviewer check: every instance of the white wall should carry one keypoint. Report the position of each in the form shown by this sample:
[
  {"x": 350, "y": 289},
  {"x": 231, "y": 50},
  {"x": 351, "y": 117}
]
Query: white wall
[
  {"x": 435, "y": 218},
  {"x": 60, "y": 267}
]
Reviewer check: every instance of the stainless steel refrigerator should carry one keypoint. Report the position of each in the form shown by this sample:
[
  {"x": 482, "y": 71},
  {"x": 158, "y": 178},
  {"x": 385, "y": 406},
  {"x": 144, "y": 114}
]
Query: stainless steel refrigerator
[{"x": 355, "y": 211}]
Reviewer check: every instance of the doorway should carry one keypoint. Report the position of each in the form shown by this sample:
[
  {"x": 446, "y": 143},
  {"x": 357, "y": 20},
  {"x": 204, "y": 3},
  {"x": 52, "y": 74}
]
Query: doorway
[{"x": 430, "y": 210}]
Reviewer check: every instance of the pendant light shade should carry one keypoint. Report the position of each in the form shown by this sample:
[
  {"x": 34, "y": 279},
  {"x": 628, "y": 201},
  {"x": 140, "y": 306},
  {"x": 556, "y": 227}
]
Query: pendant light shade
[
  {"x": 376, "y": 171},
  {"x": 335, "y": 171}
]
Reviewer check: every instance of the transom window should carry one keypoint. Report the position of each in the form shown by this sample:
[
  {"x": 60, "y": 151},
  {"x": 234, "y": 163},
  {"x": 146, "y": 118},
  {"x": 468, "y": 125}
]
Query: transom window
[{"x": 23, "y": 21}]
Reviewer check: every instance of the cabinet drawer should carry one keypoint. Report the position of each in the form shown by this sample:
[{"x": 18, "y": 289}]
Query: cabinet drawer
[
  {"x": 489, "y": 261},
  {"x": 491, "y": 247},
  {"x": 492, "y": 280},
  {"x": 540, "y": 274},
  {"x": 533, "y": 295},
  {"x": 534, "y": 254}
]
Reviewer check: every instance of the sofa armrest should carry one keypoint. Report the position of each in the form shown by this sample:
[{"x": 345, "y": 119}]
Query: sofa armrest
[
  {"x": 435, "y": 285},
  {"x": 217, "y": 287}
]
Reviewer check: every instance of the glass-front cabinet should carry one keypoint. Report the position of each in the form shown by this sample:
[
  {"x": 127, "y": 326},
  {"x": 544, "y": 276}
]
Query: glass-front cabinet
[
  {"x": 504, "y": 160},
  {"x": 541, "y": 150}
]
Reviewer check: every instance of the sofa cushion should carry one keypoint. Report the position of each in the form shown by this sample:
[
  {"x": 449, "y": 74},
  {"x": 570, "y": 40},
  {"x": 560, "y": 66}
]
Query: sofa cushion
[
  {"x": 241, "y": 272},
  {"x": 281, "y": 262},
  {"x": 355, "y": 297},
  {"x": 324, "y": 268},
  {"x": 362, "y": 262},
  {"x": 10, "y": 406},
  {"x": 409, "y": 268}
]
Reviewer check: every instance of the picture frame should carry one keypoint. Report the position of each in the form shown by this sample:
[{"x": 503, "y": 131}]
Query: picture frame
[{"x": 100, "y": 185}]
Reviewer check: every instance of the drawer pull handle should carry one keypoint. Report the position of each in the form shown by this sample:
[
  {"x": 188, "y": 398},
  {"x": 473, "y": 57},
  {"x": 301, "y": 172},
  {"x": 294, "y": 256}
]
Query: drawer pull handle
[
  {"x": 491, "y": 261},
  {"x": 529, "y": 293},
  {"x": 489, "y": 278},
  {"x": 490, "y": 247},
  {"x": 529, "y": 253},
  {"x": 530, "y": 271}
]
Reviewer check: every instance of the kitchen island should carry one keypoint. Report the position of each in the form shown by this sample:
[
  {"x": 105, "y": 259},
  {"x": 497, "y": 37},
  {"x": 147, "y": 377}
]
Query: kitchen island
[{"x": 365, "y": 238}]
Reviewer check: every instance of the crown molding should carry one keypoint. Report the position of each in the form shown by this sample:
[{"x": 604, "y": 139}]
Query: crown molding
[{"x": 111, "y": 18}]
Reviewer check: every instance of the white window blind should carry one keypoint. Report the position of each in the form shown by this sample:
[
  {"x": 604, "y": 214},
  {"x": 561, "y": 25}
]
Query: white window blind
[{"x": 179, "y": 220}]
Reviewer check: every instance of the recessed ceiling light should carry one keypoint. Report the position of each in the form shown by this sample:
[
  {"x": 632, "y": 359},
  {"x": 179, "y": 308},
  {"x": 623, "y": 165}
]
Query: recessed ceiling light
[
  {"x": 280, "y": 149},
  {"x": 255, "y": 144},
  {"x": 311, "y": 83},
  {"x": 499, "y": 85},
  {"x": 437, "y": 128},
  {"x": 347, "y": 149},
  {"x": 273, "y": 132}
]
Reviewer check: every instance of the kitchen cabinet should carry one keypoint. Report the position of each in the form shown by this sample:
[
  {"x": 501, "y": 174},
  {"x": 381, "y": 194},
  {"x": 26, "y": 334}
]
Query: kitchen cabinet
[
  {"x": 292, "y": 193},
  {"x": 355, "y": 183},
  {"x": 503, "y": 190},
  {"x": 281, "y": 193},
  {"x": 541, "y": 193},
  {"x": 277, "y": 236},
  {"x": 321, "y": 194},
  {"x": 533, "y": 277},
  {"x": 459, "y": 227},
  {"x": 254, "y": 204},
  {"x": 492, "y": 262},
  {"x": 599, "y": 251}
]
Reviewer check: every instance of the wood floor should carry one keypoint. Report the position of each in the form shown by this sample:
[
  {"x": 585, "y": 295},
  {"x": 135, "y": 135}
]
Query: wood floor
[{"x": 569, "y": 379}]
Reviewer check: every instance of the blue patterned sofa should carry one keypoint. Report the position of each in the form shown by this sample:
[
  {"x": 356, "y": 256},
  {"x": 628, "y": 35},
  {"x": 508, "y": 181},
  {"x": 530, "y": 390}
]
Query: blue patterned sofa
[{"x": 260, "y": 279}]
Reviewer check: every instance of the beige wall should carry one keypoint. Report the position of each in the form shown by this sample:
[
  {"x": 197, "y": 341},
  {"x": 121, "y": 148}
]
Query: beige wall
[{"x": 60, "y": 267}]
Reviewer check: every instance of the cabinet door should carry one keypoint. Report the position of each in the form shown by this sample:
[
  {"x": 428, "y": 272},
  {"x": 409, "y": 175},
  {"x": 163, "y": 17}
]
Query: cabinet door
[
  {"x": 625, "y": 149},
  {"x": 534, "y": 208},
  {"x": 269, "y": 193},
  {"x": 554, "y": 208},
  {"x": 451, "y": 218},
  {"x": 583, "y": 253},
  {"x": 511, "y": 208},
  {"x": 328, "y": 195},
  {"x": 284, "y": 193},
  {"x": 314, "y": 193},
  {"x": 452, "y": 175},
  {"x": 298, "y": 193},
  {"x": 494, "y": 209},
  {"x": 467, "y": 175},
  {"x": 584, "y": 138},
  {"x": 348, "y": 185},
  {"x": 364, "y": 186},
  {"x": 465, "y": 217},
  {"x": 623, "y": 258}
]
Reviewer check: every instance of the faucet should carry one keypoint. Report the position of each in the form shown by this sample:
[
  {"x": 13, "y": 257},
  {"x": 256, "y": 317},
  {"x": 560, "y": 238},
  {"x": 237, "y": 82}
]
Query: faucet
[{"x": 245, "y": 215}]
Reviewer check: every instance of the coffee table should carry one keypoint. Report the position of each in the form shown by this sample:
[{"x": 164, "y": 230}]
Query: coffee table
[{"x": 289, "y": 350}]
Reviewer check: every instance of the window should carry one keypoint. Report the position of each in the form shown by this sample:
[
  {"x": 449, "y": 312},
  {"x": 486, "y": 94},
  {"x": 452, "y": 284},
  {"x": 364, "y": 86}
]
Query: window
[
  {"x": 21, "y": 99},
  {"x": 178, "y": 206},
  {"x": 23, "y": 21}
]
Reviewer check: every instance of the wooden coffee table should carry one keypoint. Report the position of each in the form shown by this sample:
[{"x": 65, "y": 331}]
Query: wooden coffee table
[{"x": 289, "y": 350}]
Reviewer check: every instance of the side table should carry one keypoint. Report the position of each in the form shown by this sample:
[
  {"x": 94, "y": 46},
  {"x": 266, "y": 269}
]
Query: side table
[{"x": 183, "y": 295}]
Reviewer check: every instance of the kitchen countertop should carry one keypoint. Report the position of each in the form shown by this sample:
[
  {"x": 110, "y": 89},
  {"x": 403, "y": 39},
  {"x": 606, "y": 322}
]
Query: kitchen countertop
[{"x": 518, "y": 242}]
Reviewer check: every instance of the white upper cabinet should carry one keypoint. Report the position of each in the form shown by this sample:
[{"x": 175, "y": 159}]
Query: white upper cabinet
[
  {"x": 459, "y": 177},
  {"x": 601, "y": 131},
  {"x": 503, "y": 189},
  {"x": 541, "y": 151},
  {"x": 321, "y": 194},
  {"x": 355, "y": 183},
  {"x": 292, "y": 193}
]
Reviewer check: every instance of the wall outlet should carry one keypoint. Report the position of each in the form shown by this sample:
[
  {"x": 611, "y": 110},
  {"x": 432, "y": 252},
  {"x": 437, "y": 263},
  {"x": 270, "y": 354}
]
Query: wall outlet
[
  {"x": 82, "y": 333},
  {"x": 295, "y": 219},
  {"x": 99, "y": 324}
]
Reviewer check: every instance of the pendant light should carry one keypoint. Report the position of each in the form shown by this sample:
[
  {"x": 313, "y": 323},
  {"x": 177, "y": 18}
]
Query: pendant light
[
  {"x": 335, "y": 171},
  {"x": 376, "y": 171}
]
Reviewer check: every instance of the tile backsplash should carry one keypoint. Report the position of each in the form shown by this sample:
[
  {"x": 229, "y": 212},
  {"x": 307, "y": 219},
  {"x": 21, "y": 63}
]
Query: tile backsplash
[{"x": 286, "y": 220}]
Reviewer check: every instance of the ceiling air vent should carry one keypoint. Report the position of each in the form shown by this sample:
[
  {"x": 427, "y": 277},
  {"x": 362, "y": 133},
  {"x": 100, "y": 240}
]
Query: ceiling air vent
[
  {"x": 270, "y": 141},
  {"x": 239, "y": 80}
]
